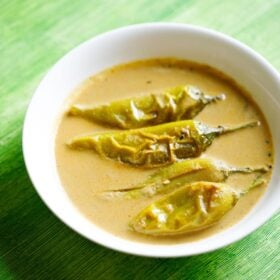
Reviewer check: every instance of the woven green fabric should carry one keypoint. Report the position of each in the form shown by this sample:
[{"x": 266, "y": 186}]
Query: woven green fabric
[{"x": 34, "y": 244}]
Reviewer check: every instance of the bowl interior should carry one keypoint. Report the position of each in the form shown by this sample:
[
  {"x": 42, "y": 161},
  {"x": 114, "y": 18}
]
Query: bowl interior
[{"x": 134, "y": 43}]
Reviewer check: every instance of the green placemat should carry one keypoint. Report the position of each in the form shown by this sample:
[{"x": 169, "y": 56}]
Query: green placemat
[{"x": 34, "y": 244}]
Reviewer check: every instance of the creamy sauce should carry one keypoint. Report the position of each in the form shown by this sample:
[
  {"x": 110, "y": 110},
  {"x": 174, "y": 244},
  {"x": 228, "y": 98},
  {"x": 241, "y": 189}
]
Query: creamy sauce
[{"x": 83, "y": 173}]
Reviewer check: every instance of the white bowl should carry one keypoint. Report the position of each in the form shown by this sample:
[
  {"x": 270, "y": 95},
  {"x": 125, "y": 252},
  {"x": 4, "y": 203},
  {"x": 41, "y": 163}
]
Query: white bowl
[{"x": 134, "y": 43}]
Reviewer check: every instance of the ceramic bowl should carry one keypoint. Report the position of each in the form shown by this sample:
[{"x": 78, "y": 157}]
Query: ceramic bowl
[{"x": 129, "y": 44}]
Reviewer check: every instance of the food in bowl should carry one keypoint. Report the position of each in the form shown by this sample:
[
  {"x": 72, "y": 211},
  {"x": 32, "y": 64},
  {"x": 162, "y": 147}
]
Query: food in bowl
[{"x": 94, "y": 175}]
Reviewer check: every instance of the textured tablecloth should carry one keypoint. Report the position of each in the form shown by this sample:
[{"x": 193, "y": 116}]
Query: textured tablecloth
[{"x": 34, "y": 244}]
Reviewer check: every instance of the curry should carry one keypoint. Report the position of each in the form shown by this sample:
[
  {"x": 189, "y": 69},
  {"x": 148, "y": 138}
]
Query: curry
[{"x": 137, "y": 136}]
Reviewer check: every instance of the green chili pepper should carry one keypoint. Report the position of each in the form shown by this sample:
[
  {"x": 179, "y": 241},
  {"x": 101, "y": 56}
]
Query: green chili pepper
[
  {"x": 155, "y": 146},
  {"x": 179, "y": 103},
  {"x": 193, "y": 207},
  {"x": 178, "y": 174}
]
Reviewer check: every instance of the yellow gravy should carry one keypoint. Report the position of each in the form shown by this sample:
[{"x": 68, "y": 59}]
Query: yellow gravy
[{"x": 83, "y": 173}]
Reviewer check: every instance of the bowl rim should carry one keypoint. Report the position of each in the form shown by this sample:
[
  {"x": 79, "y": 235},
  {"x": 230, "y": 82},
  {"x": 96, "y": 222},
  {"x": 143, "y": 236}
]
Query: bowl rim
[{"x": 161, "y": 25}]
